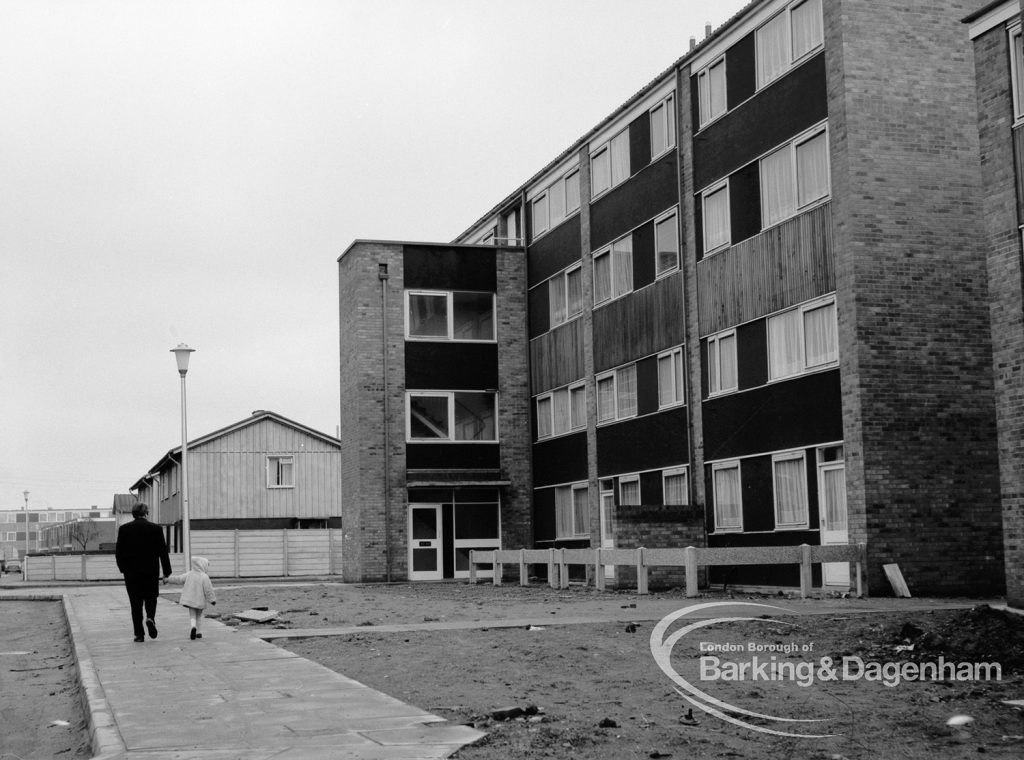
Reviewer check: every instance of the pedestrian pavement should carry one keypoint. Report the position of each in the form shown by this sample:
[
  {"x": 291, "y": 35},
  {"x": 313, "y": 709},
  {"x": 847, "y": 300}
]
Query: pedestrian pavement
[{"x": 228, "y": 695}]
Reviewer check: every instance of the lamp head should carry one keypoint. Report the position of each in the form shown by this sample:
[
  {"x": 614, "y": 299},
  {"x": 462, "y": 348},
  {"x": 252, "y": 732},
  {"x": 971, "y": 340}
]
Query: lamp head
[{"x": 181, "y": 355}]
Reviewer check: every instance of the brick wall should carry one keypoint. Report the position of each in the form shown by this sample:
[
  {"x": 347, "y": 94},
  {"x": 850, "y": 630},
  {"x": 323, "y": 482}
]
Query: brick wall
[
  {"x": 995, "y": 125},
  {"x": 915, "y": 351},
  {"x": 657, "y": 527}
]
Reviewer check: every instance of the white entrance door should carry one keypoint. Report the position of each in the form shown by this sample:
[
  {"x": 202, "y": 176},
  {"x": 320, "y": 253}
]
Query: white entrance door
[
  {"x": 425, "y": 534},
  {"x": 607, "y": 540},
  {"x": 832, "y": 509}
]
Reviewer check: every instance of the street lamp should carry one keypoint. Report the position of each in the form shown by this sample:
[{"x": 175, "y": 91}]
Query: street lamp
[
  {"x": 24, "y": 561},
  {"x": 181, "y": 355}
]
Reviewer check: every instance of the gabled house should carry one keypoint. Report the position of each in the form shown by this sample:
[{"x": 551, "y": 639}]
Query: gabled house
[{"x": 263, "y": 472}]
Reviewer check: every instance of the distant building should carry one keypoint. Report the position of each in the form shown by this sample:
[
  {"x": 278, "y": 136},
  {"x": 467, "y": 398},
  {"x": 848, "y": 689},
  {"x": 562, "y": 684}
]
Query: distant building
[
  {"x": 12, "y": 526},
  {"x": 79, "y": 534},
  {"x": 263, "y": 472}
]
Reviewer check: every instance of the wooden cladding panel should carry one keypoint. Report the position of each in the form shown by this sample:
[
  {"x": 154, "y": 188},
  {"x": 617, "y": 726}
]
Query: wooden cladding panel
[
  {"x": 556, "y": 357},
  {"x": 1018, "y": 160},
  {"x": 640, "y": 324},
  {"x": 782, "y": 266}
]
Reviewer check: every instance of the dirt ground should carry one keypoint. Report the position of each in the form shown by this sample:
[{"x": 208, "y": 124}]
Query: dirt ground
[
  {"x": 599, "y": 694},
  {"x": 41, "y": 715}
]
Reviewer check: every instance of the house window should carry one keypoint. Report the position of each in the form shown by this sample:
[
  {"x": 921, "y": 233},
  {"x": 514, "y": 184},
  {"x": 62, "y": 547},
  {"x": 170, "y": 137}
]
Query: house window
[
  {"x": 540, "y": 215},
  {"x": 578, "y": 406},
  {"x": 281, "y": 472},
  {"x": 790, "y": 36},
  {"x": 725, "y": 478},
  {"x": 572, "y": 511},
  {"x": 545, "y": 424},
  {"x": 1017, "y": 71},
  {"x": 451, "y": 416},
  {"x": 572, "y": 191},
  {"x": 789, "y": 479},
  {"x": 455, "y": 315},
  {"x": 722, "y": 374},
  {"x": 671, "y": 383},
  {"x": 565, "y": 295},
  {"x": 610, "y": 163},
  {"x": 629, "y": 490},
  {"x": 616, "y": 394},
  {"x": 715, "y": 206},
  {"x": 711, "y": 92},
  {"x": 613, "y": 270},
  {"x": 663, "y": 127},
  {"x": 512, "y": 227},
  {"x": 802, "y": 339},
  {"x": 556, "y": 203},
  {"x": 666, "y": 241},
  {"x": 675, "y": 487},
  {"x": 794, "y": 176}
]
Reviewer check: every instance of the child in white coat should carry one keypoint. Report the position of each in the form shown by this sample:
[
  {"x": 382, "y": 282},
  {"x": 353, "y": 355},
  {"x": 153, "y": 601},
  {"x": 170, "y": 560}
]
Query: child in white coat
[{"x": 197, "y": 592}]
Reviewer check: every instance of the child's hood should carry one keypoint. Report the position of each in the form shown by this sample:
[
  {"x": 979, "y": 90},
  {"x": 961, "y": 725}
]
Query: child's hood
[{"x": 201, "y": 564}]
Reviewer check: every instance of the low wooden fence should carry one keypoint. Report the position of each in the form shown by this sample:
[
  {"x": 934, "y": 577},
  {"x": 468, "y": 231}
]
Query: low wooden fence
[
  {"x": 691, "y": 558},
  {"x": 232, "y": 554}
]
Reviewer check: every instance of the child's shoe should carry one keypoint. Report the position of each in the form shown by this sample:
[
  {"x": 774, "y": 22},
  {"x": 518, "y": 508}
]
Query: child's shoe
[
  {"x": 193, "y": 634},
  {"x": 199, "y": 635}
]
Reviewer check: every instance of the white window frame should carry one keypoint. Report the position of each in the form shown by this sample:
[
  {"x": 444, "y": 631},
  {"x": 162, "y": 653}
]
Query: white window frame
[
  {"x": 800, "y": 524},
  {"x": 675, "y": 472},
  {"x": 678, "y": 390},
  {"x": 540, "y": 202},
  {"x": 549, "y": 399},
  {"x": 578, "y": 529},
  {"x": 606, "y": 148},
  {"x": 628, "y": 480},
  {"x": 664, "y": 112},
  {"x": 790, "y": 148},
  {"x": 804, "y": 367},
  {"x": 449, "y": 296},
  {"x": 705, "y": 113},
  {"x": 671, "y": 218},
  {"x": 553, "y": 216},
  {"x": 560, "y": 283},
  {"x": 715, "y": 357},
  {"x": 450, "y": 410},
  {"x": 614, "y": 376},
  {"x": 733, "y": 464},
  {"x": 790, "y": 61},
  {"x": 280, "y": 459},
  {"x": 722, "y": 186},
  {"x": 616, "y": 289},
  {"x": 1015, "y": 39}
]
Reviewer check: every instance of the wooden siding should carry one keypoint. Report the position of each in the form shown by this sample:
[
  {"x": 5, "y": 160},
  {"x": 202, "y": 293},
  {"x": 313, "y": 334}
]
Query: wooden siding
[
  {"x": 227, "y": 475},
  {"x": 556, "y": 357},
  {"x": 1018, "y": 159},
  {"x": 782, "y": 266},
  {"x": 640, "y": 324}
]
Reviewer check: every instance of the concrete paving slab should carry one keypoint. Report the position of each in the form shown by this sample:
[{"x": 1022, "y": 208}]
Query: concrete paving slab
[{"x": 229, "y": 694}]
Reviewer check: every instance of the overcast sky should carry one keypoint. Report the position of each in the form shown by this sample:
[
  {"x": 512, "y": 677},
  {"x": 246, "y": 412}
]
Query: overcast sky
[{"x": 191, "y": 171}]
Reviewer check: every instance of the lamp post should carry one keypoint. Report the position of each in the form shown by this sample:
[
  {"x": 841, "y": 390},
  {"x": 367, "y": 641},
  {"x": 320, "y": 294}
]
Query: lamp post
[
  {"x": 24, "y": 561},
  {"x": 181, "y": 355}
]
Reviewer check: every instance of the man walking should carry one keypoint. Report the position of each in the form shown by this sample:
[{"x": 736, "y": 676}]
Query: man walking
[{"x": 141, "y": 554}]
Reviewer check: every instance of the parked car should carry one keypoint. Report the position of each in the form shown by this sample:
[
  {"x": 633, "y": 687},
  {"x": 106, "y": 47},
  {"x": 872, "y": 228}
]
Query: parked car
[{"x": 13, "y": 565}]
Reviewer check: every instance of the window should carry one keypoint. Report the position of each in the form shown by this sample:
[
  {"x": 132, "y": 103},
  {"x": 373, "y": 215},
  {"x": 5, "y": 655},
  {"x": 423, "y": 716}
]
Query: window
[
  {"x": 1017, "y": 71},
  {"x": 540, "y": 214},
  {"x": 451, "y": 416},
  {"x": 671, "y": 382},
  {"x": 556, "y": 202},
  {"x": 565, "y": 295},
  {"x": 787, "y": 38},
  {"x": 663, "y": 127},
  {"x": 675, "y": 487},
  {"x": 610, "y": 164},
  {"x": 456, "y": 315},
  {"x": 281, "y": 472},
  {"x": 711, "y": 92},
  {"x": 728, "y": 496},
  {"x": 802, "y": 339},
  {"x": 572, "y": 191},
  {"x": 715, "y": 205},
  {"x": 794, "y": 176},
  {"x": 722, "y": 375},
  {"x": 789, "y": 478},
  {"x": 572, "y": 511},
  {"x": 666, "y": 242},
  {"x": 613, "y": 270},
  {"x": 629, "y": 490},
  {"x": 616, "y": 394},
  {"x": 562, "y": 411}
]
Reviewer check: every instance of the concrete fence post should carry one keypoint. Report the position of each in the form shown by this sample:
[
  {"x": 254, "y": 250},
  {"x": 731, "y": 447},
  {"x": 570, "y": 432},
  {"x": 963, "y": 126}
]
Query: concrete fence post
[
  {"x": 472, "y": 567},
  {"x": 862, "y": 553},
  {"x": 524, "y": 576},
  {"x": 598, "y": 570},
  {"x": 690, "y": 560},
  {"x": 641, "y": 572},
  {"x": 805, "y": 571},
  {"x": 552, "y": 578},
  {"x": 497, "y": 571},
  {"x": 563, "y": 569},
  {"x": 237, "y": 551},
  {"x": 284, "y": 551}
]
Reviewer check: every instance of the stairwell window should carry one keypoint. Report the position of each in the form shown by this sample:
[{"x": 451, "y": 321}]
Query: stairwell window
[
  {"x": 787, "y": 38},
  {"x": 728, "y": 496},
  {"x": 449, "y": 315},
  {"x": 711, "y": 93},
  {"x": 451, "y": 416},
  {"x": 572, "y": 511},
  {"x": 281, "y": 472},
  {"x": 722, "y": 373}
]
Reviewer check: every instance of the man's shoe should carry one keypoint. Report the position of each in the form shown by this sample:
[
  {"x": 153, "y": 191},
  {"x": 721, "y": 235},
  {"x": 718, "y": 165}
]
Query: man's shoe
[
  {"x": 199, "y": 635},
  {"x": 151, "y": 627},
  {"x": 140, "y": 638}
]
